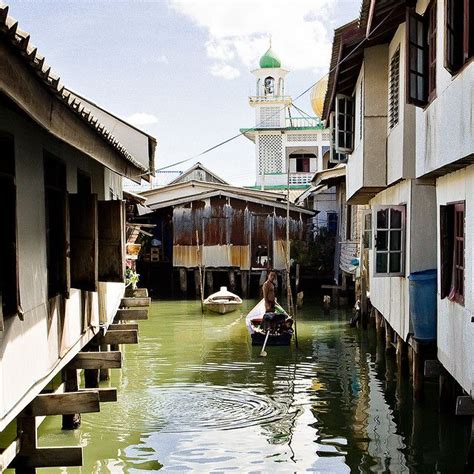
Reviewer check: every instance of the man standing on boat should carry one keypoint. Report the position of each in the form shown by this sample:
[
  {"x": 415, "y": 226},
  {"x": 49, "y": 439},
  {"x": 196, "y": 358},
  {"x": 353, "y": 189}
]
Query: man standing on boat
[{"x": 269, "y": 291}]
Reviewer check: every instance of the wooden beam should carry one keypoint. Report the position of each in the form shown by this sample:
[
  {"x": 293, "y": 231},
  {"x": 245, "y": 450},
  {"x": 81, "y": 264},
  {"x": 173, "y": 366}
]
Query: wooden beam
[
  {"x": 8, "y": 454},
  {"x": 106, "y": 394},
  {"x": 131, "y": 315},
  {"x": 96, "y": 360},
  {"x": 126, "y": 336},
  {"x": 135, "y": 302},
  {"x": 465, "y": 406},
  {"x": 121, "y": 327},
  {"x": 67, "y": 403},
  {"x": 136, "y": 293},
  {"x": 60, "y": 456}
]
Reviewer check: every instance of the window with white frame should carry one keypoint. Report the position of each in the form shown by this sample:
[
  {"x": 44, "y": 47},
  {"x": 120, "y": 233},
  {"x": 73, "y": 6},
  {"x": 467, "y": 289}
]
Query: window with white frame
[
  {"x": 367, "y": 228},
  {"x": 389, "y": 246},
  {"x": 334, "y": 156},
  {"x": 344, "y": 124}
]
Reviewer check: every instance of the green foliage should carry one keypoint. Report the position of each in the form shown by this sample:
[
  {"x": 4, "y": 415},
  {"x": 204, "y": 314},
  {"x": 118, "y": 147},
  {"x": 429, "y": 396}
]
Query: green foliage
[
  {"x": 131, "y": 278},
  {"x": 316, "y": 254}
]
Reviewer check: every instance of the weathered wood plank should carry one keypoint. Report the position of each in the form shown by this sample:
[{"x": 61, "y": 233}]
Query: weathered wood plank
[
  {"x": 127, "y": 336},
  {"x": 135, "y": 302},
  {"x": 136, "y": 293},
  {"x": 465, "y": 406},
  {"x": 121, "y": 327},
  {"x": 8, "y": 454},
  {"x": 131, "y": 315},
  {"x": 68, "y": 403},
  {"x": 60, "y": 456},
  {"x": 106, "y": 394},
  {"x": 96, "y": 360}
]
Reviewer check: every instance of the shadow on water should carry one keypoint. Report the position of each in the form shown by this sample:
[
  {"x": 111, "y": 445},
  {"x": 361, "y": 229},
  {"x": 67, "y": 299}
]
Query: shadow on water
[{"x": 195, "y": 395}]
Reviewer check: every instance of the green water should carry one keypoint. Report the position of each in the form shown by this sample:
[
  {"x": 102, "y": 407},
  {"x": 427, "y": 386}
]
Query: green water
[{"x": 195, "y": 396}]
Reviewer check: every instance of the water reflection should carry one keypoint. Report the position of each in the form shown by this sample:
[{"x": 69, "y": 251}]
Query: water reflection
[{"x": 194, "y": 395}]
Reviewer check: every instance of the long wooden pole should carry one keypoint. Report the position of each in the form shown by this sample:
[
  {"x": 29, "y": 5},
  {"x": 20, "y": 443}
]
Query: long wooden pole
[
  {"x": 200, "y": 271},
  {"x": 288, "y": 279}
]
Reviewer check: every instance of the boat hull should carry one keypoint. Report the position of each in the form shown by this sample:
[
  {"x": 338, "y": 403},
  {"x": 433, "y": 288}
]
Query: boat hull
[
  {"x": 222, "y": 308},
  {"x": 273, "y": 339}
]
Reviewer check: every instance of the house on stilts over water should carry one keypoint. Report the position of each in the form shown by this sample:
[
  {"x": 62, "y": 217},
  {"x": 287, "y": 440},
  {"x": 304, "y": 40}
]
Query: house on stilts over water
[{"x": 63, "y": 250}]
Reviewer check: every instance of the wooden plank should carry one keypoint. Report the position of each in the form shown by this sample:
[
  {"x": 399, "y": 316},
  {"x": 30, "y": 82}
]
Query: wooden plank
[
  {"x": 135, "y": 302},
  {"x": 96, "y": 360},
  {"x": 136, "y": 293},
  {"x": 127, "y": 336},
  {"x": 131, "y": 315},
  {"x": 120, "y": 327},
  {"x": 465, "y": 406},
  {"x": 84, "y": 241},
  {"x": 106, "y": 394},
  {"x": 111, "y": 240},
  {"x": 8, "y": 454},
  {"x": 60, "y": 456},
  {"x": 433, "y": 368},
  {"x": 67, "y": 403}
]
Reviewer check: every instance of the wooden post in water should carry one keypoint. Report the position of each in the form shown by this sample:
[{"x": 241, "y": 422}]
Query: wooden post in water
[
  {"x": 244, "y": 283},
  {"x": 388, "y": 338},
  {"x": 104, "y": 374},
  {"x": 27, "y": 432},
  {"x": 201, "y": 280},
  {"x": 71, "y": 422},
  {"x": 232, "y": 280},
  {"x": 183, "y": 280},
  {"x": 379, "y": 325},
  {"x": 402, "y": 358},
  {"x": 209, "y": 281}
]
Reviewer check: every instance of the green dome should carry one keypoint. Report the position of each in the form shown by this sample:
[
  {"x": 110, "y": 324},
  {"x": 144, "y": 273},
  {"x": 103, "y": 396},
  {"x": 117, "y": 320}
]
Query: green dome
[{"x": 269, "y": 59}]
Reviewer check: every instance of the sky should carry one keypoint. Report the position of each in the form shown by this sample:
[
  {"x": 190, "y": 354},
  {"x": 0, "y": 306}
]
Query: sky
[{"x": 180, "y": 69}]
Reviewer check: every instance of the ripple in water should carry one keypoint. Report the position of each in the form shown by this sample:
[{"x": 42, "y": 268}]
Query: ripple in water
[{"x": 182, "y": 408}]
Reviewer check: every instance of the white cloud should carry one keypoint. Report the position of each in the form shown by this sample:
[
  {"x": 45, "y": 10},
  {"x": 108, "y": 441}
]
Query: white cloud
[
  {"x": 142, "y": 118},
  {"x": 225, "y": 71},
  {"x": 238, "y": 30}
]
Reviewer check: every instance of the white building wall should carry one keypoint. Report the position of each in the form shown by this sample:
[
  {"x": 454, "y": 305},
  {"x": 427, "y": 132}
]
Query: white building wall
[
  {"x": 33, "y": 349},
  {"x": 444, "y": 129},
  {"x": 390, "y": 295},
  {"x": 455, "y": 329}
]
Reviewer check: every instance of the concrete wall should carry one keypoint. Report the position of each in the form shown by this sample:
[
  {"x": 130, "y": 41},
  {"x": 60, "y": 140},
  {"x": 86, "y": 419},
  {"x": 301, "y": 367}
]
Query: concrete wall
[
  {"x": 444, "y": 128},
  {"x": 32, "y": 350},
  {"x": 367, "y": 165},
  {"x": 390, "y": 294},
  {"x": 455, "y": 332},
  {"x": 401, "y": 138}
]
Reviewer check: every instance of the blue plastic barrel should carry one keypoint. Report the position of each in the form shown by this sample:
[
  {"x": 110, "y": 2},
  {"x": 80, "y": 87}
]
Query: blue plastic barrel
[{"x": 423, "y": 304}]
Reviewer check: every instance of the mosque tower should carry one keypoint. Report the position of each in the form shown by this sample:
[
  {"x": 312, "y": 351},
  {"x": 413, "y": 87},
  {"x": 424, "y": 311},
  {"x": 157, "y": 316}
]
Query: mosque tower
[{"x": 283, "y": 135}]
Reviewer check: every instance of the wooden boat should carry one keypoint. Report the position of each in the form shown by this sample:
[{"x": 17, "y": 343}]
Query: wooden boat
[
  {"x": 280, "y": 326},
  {"x": 223, "y": 301}
]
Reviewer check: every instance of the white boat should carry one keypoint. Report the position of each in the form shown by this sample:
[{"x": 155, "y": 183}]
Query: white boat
[{"x": 223, "y": 301}]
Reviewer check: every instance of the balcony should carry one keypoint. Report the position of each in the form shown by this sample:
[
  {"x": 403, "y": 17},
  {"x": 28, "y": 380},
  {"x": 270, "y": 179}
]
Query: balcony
[
  {"x": 304, "y": 122},
  {"x": 300, "y": 178},
  {"x": 268, "y": 99}
]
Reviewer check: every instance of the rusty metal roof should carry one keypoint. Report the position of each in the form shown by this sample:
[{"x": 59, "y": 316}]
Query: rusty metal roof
[
  {"x": 252, "y": 197},
  {"x": 20, "y": 42}
]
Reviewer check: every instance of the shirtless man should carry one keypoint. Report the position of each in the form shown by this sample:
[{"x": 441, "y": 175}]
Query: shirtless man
[{"x": 269, "y": 291}]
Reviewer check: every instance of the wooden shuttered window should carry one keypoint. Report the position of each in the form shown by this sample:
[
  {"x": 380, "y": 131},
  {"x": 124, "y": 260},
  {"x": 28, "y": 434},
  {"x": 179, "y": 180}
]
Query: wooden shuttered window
[
  {"x": 111, "y": 215},
  {"x": 9, "y": 275},
  {"x": 459, "y": 32},
  {"x": 394, "y": 89},
  {"x": 334, "y": 156},
  {"x": 84, "y": 241},
  {"x": 452, "y": 251},
  {"x": 344, "y": 124},
  {"x": 421, "y": 50},
  {"x": 57, "y": 226}
]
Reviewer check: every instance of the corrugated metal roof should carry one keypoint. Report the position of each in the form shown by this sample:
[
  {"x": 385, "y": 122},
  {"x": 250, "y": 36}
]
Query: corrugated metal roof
[{"x": 20, "y": 41}]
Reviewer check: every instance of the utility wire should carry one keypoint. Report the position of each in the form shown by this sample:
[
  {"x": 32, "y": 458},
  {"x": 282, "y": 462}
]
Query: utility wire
[{"x": 341, "y": 61}]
